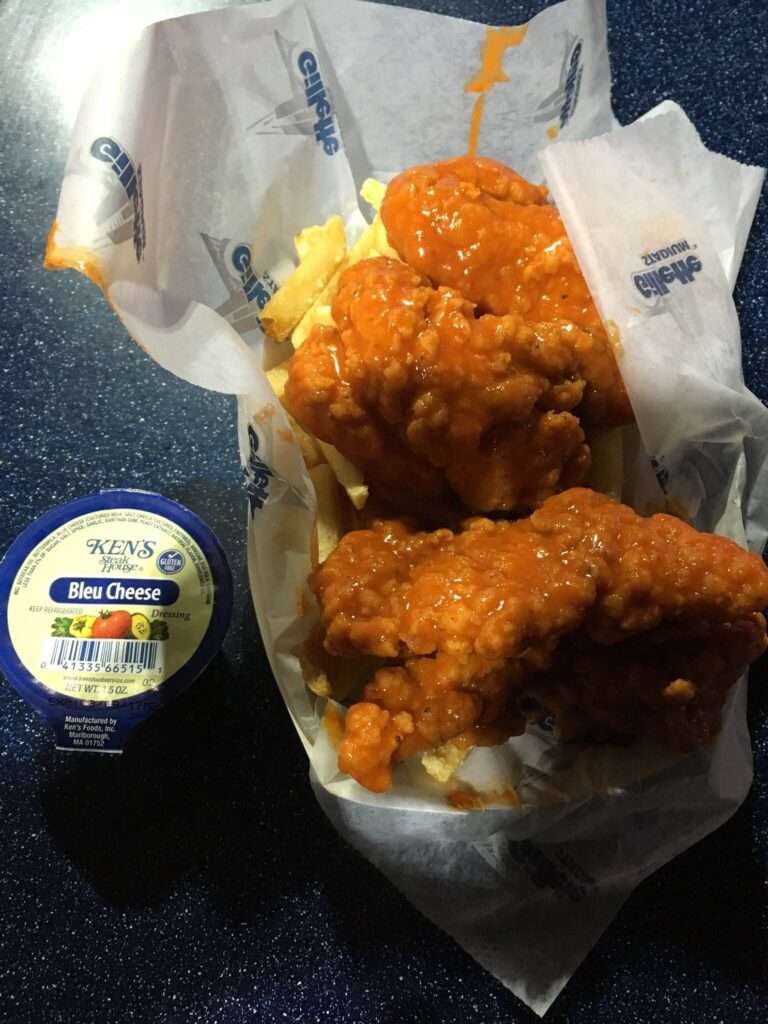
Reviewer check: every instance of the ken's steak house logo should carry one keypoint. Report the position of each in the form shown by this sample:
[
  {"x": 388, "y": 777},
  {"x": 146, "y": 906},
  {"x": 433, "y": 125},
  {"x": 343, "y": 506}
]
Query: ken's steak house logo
[{"x": 308, "y": 110}]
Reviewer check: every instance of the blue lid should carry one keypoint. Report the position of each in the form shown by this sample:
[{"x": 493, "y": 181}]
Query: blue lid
[{"x": 110, "y": 606}]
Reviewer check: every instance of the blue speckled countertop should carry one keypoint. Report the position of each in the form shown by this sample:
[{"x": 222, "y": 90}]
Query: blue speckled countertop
[{"x": 194, "y": 879}]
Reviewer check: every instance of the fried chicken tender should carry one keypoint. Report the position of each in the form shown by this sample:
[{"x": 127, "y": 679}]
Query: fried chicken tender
[
  {"x": 494, "y": 601},
  {"x": 474, "y": 225},
  {"x": 497, "y": 588},
  {"x": 434, "y": 404},
  {"x": 668, "y": 684},
  {"x": 418, "y": 706}
]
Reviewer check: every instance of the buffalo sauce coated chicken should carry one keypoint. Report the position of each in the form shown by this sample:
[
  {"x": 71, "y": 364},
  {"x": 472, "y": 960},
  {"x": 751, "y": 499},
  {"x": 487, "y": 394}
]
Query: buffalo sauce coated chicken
[
  {"x": 433, "y": 403},
  {"x": 475, "y": 225},
  {"x": 461, "y": 376},
  {"x": 620, "y": 626}
]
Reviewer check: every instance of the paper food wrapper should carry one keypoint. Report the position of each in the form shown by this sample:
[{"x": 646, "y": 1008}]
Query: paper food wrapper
[{"x": 197, "y": 156}]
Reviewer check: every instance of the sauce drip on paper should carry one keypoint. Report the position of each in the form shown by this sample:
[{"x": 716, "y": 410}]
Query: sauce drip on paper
[
  {"x": 497, "y": 42},
  {"x": 84, "y": 260}
]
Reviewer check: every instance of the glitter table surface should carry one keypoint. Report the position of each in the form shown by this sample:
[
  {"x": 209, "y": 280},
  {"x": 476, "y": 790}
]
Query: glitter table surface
[{"x": 194, "y": 879}]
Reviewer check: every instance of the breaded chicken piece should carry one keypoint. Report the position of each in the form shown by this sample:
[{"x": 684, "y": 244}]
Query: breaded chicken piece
[
  {"x": 495, "y": 600},
  {"x": 668, "y": 684},
  {"x": 434, "y": 404},
  {"x": 418, "y": 706},
  {"x": 497, "y": 588},
  {"x": 474, "y": 225}
]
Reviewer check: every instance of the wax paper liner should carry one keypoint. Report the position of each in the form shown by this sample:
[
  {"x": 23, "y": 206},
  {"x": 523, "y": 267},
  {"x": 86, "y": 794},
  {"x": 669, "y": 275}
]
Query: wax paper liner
[{"x": 196, "y": 157}]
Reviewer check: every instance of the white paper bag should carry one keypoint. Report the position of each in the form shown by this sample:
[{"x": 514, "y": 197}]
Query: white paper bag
[
  {"x": 195, "y": 159},
  {"x": 658, "y": 225}
]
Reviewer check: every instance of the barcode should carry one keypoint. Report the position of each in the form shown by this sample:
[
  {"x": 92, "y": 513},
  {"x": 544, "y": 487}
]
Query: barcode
[{"x": 108, "y": 655}]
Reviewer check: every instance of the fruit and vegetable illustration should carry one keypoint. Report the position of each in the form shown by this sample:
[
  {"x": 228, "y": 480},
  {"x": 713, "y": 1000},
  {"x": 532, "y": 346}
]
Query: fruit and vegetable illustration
[{"x": 110, "y": 625}]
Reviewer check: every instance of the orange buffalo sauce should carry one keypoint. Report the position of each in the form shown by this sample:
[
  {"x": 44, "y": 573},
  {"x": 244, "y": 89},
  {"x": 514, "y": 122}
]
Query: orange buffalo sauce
[
  {"x": 473, "y": 224},
  {"x": 75, "y": 258},
  {"x": 497, "y": 42}
]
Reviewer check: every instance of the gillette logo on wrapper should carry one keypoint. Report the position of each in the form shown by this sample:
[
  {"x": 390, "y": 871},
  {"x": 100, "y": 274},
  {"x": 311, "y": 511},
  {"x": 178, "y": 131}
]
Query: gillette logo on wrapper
[
  {"x": 654, "y": 284},
  {"x": 248, "y": 290},
  {"x": 129, "y": 176},
  {"x": 572, "y": 85},
  {"x": 560, "y": 105},
  {"x": 254, "y": 289},
  {"x": 308, "y": 110},
  {"x": 317, "y": 97},
  {"x": 256, "y": 473}
]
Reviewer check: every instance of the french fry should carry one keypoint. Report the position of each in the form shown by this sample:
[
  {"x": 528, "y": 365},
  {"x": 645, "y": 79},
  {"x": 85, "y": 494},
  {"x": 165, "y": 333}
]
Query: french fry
[
  {"x": 318, "y": 452},
  {"x": 316, "y": 680},
  {"x": 306, "y": 301},
  {"x": 348, "y": 475},
  {"x": 310, "y": 449},
  {"x": 278, "y": 378},
  {"x": 380, "y": 239},
  {"x": 374, "y": 237},
  {"x": 373, "y": 192},
  {"x": 442, "y": 763},
  {"x": 315, "y": 665},
  {"x": 324, "y": 248},
  {"x": 317, "y": 314},
  {"x": 307, "y": 444},
  {"x": 308, "y": 238},
  {"x": 329, "y": 525},
  {"x": 372, "y": 242}
]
